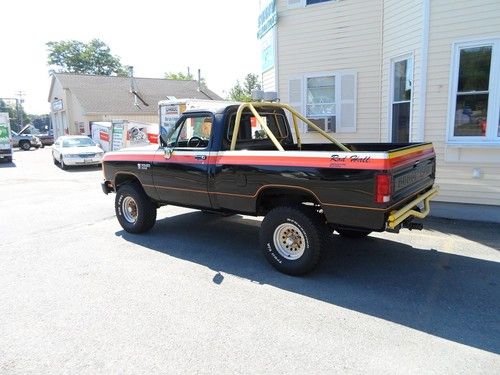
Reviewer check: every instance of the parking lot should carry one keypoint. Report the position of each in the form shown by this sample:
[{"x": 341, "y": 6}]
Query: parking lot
[{"x": 195, "y": 295}]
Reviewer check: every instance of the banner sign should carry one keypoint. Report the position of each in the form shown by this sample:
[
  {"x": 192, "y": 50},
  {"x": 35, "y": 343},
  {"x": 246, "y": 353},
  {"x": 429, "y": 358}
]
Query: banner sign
[{"x": 267, "y": 19}]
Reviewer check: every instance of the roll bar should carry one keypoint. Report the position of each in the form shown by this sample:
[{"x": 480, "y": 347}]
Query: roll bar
[{"x": 252, "y": 105}]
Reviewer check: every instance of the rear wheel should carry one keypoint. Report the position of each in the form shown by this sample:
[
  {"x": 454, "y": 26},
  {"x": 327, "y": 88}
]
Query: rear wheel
[
  {"x": 352, "y": 233},
  {"x": 136, "y": 213},
  {"x": 292, "y": 239},
  {"x": 25, "y": 145}
]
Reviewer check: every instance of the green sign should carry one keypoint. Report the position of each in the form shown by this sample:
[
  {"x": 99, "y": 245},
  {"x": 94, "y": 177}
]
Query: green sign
[{"x": 4, "y": 131}]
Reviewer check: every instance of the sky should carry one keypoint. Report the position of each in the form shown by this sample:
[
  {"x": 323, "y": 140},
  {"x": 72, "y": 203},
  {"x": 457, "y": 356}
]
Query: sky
[{"x": 218, "y": 37}]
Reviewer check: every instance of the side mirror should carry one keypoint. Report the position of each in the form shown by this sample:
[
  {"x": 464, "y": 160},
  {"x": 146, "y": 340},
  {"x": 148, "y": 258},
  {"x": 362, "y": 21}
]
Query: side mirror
[{"x": 168, "y": 153}]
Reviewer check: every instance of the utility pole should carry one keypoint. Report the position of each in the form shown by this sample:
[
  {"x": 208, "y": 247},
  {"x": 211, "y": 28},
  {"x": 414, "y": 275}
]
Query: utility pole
[
  {"x": 20, "y": 94},
  {"x": 17, "y": 108}
]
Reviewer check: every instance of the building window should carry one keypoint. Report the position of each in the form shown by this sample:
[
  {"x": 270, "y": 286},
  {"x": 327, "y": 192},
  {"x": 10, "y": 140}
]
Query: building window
[
  {"x": 401, "y": 98},
  {"x": 309, "y": 2},
  {"x": 327, "y": 99},
  {"x": 302, "y": 3},
  {"x": 475, "y": 99},
  {"x": 320, "y": 97}
]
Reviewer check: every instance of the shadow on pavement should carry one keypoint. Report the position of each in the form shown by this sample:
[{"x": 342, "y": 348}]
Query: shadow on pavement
[
  {"x": 481, "y": 232},
  {"x": 81, "y": 168},
  {"x": 450, "y": 296},
  {"x": 5, "y": 164}
]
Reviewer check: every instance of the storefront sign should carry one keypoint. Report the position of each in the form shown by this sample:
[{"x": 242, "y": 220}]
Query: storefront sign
[
  {"x": 57, "y": 105},
  {"x": 117, "y": 142},
  {"x": 267, "y": 19},
  {"x": 267, "y": 52}
]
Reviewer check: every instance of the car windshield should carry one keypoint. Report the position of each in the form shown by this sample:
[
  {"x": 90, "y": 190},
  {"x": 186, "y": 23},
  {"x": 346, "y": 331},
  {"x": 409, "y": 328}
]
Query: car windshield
[{"x": 78, "y": 142}]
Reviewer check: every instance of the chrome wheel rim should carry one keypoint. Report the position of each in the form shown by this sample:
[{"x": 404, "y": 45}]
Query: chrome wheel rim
[
  {"x": 129, "y": 209},
  {"x": 289, "y": 241}
]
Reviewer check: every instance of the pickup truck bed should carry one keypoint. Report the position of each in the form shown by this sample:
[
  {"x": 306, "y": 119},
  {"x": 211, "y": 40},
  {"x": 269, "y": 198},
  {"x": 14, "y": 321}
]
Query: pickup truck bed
[{"x": 352, "y": 188}]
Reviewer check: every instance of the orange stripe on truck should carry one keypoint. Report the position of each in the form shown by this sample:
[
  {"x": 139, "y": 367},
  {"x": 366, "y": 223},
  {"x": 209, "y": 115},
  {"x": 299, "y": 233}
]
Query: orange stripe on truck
[{"x": 340, "y": 160}]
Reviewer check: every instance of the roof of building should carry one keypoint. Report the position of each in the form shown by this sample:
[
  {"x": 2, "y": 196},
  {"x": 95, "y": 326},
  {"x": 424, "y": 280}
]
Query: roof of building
[{"x": 113, "y": 95}]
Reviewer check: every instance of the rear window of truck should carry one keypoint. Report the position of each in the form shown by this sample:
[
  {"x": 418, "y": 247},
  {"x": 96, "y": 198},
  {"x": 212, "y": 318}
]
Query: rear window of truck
[{"x": 251, "y": 130}]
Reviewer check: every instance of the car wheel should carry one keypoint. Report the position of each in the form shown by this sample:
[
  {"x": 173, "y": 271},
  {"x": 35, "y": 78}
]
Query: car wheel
[
  {"x": 292, "y": 238},
  {"x": 352, "y": 233},
  {"x": 136, "y": 213},
  {"x": 25, "y": 145},
  {"x": 62, "y": 164}
]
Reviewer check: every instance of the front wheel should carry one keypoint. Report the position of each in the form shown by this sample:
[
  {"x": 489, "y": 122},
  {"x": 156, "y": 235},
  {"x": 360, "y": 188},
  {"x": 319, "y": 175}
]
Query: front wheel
[
  {"x": 292, "y": 239},
  {"x": 25, "y": 145},
  {"x": 134, "y": 210},
  {"x": 62, "y": 164}
]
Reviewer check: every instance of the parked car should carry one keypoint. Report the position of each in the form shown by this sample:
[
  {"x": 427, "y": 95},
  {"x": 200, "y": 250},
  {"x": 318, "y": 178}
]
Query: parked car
[
  {"x": 25, "y": 141},
  {"x": 72, "y": 150},
  {"x": 47, "y": 139}
]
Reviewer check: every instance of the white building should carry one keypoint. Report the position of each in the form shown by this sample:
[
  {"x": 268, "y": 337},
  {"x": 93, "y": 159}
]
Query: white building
[
  {"x": 78, "y": 100},
  {"x": 398, "y": 71}
]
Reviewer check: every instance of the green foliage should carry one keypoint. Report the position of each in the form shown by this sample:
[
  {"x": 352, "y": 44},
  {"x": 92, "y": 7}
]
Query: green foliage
[
  {"x": 179, "y": 76},
  {"x": 14, "y": 115},
  {"x": 243, "y": 93},
  {"x": 184, "y": 77},
  {"x": 72, "y": 56},
  {"x": 41, "y": 122}
]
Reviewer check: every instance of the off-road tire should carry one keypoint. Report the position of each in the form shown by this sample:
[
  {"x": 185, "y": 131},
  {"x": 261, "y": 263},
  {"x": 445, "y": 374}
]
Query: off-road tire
[
  {"x": 145, "y": 215},
  {"x": 25, "y": 145},
  {"x": 312, "y": 232},
  {"x": 351, "y": 233}
]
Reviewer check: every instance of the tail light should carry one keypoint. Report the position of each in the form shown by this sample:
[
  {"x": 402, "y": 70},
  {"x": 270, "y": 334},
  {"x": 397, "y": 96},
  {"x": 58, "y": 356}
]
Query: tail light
[{"x": 383, "y": 188}]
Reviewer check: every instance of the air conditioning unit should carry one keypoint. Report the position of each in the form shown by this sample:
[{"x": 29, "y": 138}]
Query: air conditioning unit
[{"x": 328, "y": 124}]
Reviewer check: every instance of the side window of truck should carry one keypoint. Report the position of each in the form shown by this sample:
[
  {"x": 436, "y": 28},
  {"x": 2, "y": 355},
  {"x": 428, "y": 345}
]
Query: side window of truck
[{"x": 192, "y": 132}]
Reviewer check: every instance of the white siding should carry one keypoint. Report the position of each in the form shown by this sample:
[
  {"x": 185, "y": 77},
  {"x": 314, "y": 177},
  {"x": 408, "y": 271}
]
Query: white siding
[
  {"x": 268, "y": 80},
  {"x": 333, "y": 36},
  {"x": 452, "y": 21},
  {"x": 402, "y": 35}
]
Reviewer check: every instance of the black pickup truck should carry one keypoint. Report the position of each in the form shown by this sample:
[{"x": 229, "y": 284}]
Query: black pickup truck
[{"x": 245, "y": 159}]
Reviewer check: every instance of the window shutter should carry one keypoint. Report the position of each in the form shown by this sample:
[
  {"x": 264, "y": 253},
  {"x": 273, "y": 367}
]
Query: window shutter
[
  {"x": 295, "y": 92},
  {"x": 347, "y": 119},
  {"x": 295, "y": 3}
]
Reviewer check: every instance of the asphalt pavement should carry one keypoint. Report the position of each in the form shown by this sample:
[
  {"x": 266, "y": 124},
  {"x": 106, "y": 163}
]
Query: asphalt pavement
[{"x": 195, "y": 295}]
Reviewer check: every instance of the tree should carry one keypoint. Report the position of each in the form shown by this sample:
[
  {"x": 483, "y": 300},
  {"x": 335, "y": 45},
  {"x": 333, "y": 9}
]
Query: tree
[
  {"x": 72, "y": 56},
  {"x": 184, "y": 77},
  {"x": 14, "y": 112},
  {"x": 41, "y": 122},
  {"x": 244, "y": 93}
]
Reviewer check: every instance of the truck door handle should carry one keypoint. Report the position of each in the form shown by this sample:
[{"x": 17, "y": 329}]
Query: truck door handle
[{"x": 200, "y": 157}]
